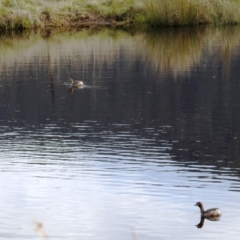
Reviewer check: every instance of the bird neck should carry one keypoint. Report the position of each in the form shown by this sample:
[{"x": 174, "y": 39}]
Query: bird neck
[{"x": 201, "y": 208}]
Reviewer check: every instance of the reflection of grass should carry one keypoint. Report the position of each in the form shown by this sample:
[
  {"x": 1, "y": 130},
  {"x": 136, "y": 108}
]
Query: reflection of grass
[
  {"x": 177, "y": 50},
  {"x": 173, "y": 51}
]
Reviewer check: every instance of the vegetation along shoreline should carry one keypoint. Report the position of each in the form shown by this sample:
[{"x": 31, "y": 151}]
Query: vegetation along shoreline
[{"x": 66, "y": 14}]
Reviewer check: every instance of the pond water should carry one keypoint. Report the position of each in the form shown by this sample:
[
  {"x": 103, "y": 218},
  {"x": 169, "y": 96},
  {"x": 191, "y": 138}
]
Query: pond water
[{"x": 154, "y": 130}]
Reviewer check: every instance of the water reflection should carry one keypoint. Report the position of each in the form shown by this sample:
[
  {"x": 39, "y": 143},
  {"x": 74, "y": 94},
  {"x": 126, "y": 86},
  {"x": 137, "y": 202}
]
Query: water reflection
[
  {"x": 157, "y": 128},
  {"x": 174, "y": 51},
  {"x": 198, "y": 106},
  {"x": 210, "y": 218},
  {"x": 178, "y": 51}
]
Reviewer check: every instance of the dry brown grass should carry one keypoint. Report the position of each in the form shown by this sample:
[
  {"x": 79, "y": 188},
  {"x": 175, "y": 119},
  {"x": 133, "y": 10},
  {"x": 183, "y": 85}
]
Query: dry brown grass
[
  {"x": 43, "y": 14},
  {"x": 194, "y": 12}
]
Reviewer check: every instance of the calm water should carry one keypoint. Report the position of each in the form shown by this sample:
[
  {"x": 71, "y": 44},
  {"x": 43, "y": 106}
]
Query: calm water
[{"x": 155, "y": 130}]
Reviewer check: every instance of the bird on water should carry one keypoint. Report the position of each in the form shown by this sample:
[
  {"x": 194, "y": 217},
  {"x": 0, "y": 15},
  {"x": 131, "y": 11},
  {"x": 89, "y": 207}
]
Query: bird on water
[
  {"x": 212, "y": 212},
  {"x": 76, "y": 84}
]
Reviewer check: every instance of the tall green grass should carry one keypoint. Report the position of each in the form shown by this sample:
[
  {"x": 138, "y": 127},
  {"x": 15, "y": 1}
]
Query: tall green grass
[{"x": 44, "y": 14}]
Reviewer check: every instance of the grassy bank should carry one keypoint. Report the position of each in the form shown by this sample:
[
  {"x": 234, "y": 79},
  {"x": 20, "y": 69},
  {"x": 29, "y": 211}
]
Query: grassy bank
[
  {"x": 191, "y": 12},
  {"x": 43, "y": 14}
]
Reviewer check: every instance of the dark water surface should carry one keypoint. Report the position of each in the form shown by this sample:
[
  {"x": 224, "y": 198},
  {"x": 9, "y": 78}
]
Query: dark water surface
[{"x": 156, "y": 129}]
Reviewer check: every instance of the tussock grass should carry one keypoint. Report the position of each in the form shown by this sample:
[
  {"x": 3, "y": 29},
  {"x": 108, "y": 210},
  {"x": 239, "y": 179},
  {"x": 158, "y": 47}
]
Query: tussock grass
[
  {"x": 191, "y": 12},
  {"x": 49, "y": 14},
  {"x": 35, "y": 14},
  {"x": 42, "y": 14},
  {"x": 125, "y": 11}
]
